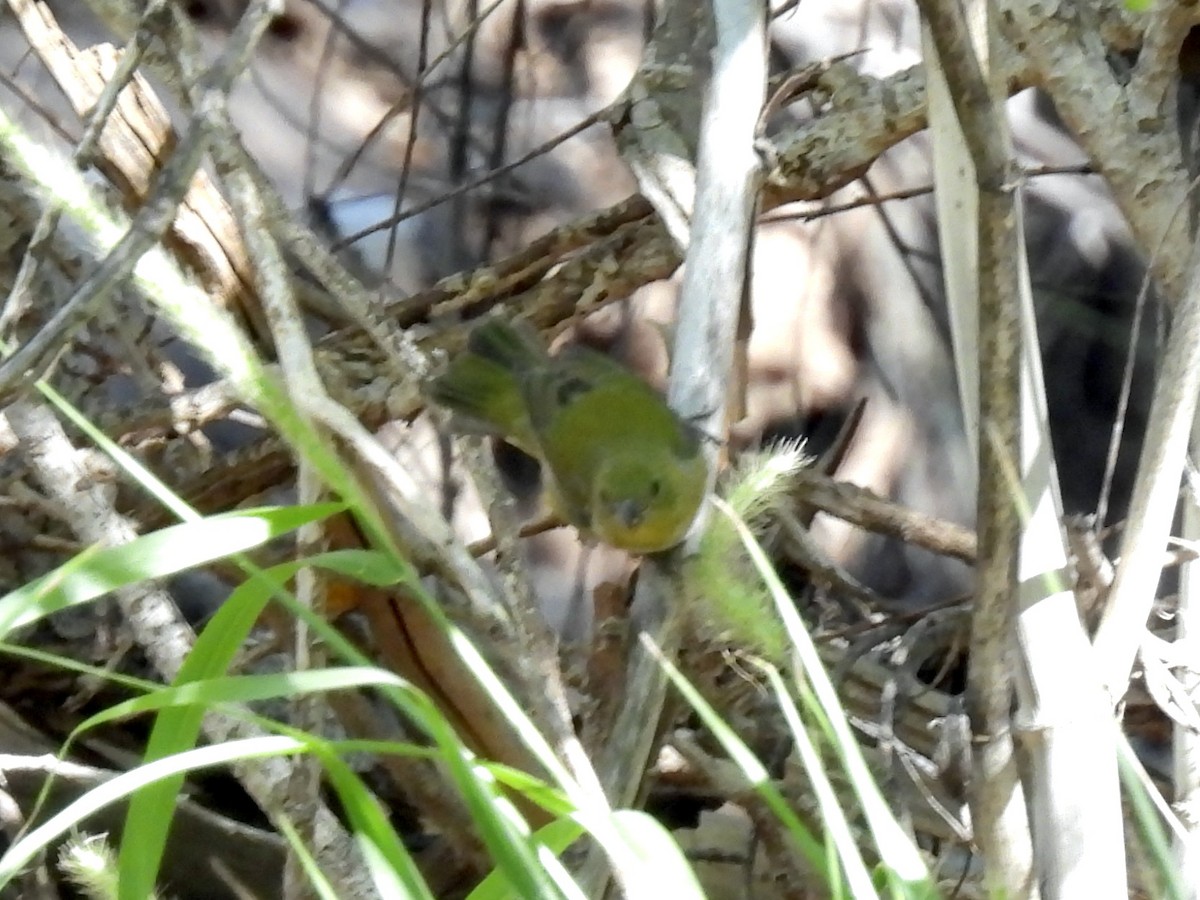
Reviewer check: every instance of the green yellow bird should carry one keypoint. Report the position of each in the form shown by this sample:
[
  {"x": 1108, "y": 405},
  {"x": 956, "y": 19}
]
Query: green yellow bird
[{"x": 619, "y": 464}]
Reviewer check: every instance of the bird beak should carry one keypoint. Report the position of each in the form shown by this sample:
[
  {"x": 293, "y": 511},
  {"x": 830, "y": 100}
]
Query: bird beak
[{"x": 629, "y": 513}]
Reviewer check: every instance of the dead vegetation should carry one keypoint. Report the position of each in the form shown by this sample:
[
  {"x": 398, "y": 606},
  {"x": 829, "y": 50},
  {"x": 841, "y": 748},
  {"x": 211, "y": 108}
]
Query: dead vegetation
[{"x": 348, "y": 186}]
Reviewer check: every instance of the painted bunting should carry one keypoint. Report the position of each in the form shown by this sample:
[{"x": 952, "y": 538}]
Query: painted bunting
[{"x": 618, "y": 463}]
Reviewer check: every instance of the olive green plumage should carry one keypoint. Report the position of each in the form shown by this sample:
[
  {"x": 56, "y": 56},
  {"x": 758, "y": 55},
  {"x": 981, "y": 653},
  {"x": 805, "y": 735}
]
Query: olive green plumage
[{"x": 621, "y": 466}]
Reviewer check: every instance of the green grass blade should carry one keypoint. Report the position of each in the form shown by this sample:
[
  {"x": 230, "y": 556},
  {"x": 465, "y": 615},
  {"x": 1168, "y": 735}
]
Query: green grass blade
[
  {"x": 833, "y": 816},
  {"x": 897, "y": 852},
  {"x": 22, "y": 852},
  {"x": 171, "y": 550},
  {"x": 316, "y": 878},
  {"x": 177, "y": 728},
  {"x": 556, "y": 837},
  {"x": 752, "y": 769},
  {"x": 391, "y": 866},
  {"x": 1150, "y": 822}
]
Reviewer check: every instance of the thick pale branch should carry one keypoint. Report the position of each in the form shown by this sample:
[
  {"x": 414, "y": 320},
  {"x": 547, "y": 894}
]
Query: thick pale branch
[
  {"x": 1134, "y": 145},
  {"x": 718, "y": 242},
  {"x": 997, "y": 805}
]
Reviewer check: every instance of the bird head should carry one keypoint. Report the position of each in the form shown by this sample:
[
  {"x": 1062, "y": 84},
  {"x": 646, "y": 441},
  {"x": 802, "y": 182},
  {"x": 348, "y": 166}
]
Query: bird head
[{"x": 645, "y": 505}]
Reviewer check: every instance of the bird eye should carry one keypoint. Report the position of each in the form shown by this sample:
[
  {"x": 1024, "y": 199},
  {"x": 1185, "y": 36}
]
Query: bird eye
[{"x": 655, "y": 488}]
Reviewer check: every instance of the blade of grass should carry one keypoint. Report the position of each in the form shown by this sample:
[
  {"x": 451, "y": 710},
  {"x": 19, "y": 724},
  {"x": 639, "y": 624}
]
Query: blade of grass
[
  {"x": 168, "y": 551},
  {"x": 556, "y": 837},
  {"x": 316, "y": 878},
  {"x": 753, "y": 770},
  {"x": 391, "y": 866},
  {"x": 833, "y": 816},
  {"x": 896, "y": 850},
  {"x": 23, "y": 851},
  {"x": 1149, "y": 822},
  {"x": 238, "y": 689},
  {"x": 178, "y": 727}
]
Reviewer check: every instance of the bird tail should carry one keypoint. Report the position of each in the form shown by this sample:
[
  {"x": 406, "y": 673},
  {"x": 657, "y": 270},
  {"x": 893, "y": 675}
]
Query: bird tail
[
  {"x": 513, "y": 346},
  {"x": 483, "y": 384}
]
